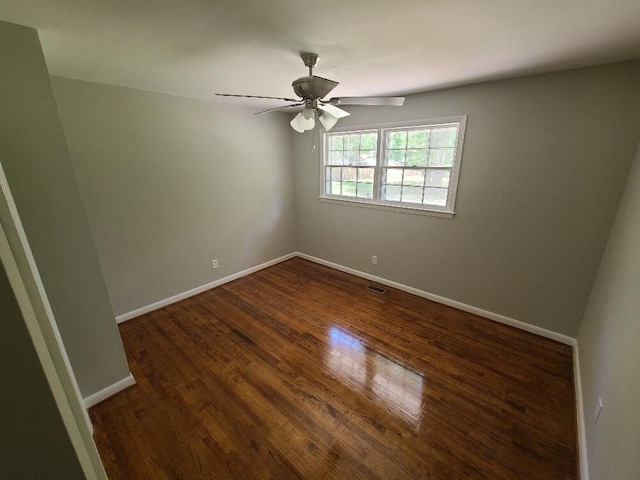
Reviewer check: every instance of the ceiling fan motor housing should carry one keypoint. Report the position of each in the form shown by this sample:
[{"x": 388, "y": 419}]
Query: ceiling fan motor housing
[{"x": 313, "y": 87}]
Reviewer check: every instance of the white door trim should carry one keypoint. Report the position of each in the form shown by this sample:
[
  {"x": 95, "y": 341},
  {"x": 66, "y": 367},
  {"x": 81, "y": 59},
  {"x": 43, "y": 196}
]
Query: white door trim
[{"x": 18, "y": 261}]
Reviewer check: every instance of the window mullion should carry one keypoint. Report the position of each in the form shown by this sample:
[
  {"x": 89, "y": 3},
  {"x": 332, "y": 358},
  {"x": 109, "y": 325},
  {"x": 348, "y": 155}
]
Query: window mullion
[
  {"x": 424, "y": 184},
  {"x": 377, "y": 173}
]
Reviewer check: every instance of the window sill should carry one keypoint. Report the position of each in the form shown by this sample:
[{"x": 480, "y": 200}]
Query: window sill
[{"x": 387, "y": 207}]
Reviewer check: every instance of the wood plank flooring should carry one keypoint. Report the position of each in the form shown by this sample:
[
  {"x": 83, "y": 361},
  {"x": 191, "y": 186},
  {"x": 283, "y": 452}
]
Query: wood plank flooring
[{"x": 298, "y": 371}]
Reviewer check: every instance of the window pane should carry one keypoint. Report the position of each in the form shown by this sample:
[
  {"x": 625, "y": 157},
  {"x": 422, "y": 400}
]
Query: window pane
[
  {"x": 435, "y": 196},
  {"x": 336, "y": 142},
  {"x": 349, "y": 174},
  {"x": 417, "y": 158},
  {"x": 444, "y": 137},
  {"x": 441, "y": 157},
  {"x": 396, "y": 157},
  {"x": 414, "y": 177},
  {"x": 369, "y": 141},
  {"x": 398, "y": 140},
  {"x": 333, "y": 176},
  {"x": 349, "y": 189},
  {"x": 333, "y": 188},
  {"x": 412, "y": 194},
  {"x": 365, "y": 175},
  {"x": 391, "y": 193},
  {"x": 393, "y": 176},
  {"x": 353, "y": 157},
  {"x": 438, "y": 178},
  {"x": 418, "y": 138},
  {"x": 349, "y": 178},
  {"x": 365, "y": 190},
  {"x": 336, "y": 158},
  {"x": 353, "y": 142},
  {"x": 368, "y": 157}
]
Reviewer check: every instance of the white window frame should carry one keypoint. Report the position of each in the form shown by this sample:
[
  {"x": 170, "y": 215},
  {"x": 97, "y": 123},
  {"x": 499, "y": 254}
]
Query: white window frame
[{"x": 447, "y": 210}]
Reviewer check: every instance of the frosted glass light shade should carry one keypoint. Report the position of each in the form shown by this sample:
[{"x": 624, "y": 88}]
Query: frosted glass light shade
[
  {"x": 327, "y": 120},
  {"x": 308, "y": 121},
  {"x": 295, "y": 123},
  {"x": 304, "y": 121}
]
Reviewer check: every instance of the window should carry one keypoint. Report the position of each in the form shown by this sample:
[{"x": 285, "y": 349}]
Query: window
[{"x": 409, "y": 166}]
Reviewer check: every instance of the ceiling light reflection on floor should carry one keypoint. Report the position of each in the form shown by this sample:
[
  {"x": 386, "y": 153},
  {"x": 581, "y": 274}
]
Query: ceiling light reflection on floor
[
  {"x": 347, "y": 358},
  {"x": 382, "y": 379}
]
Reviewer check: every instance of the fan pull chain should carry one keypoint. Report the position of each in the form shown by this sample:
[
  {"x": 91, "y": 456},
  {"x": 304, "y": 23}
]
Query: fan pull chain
[{"x": 316, "y": 137}]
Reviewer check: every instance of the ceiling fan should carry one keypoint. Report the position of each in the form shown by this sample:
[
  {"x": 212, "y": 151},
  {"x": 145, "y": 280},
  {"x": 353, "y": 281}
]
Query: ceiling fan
[{"x": 312, "y": 90}]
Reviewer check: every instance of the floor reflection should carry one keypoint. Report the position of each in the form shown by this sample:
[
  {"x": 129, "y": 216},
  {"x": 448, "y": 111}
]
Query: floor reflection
[
  {"x": 382, "y": 379},
  {"x": 347, "y": 358}
]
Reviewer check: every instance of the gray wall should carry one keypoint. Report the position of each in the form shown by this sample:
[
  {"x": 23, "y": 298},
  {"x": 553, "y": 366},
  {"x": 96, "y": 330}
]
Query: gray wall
[
  {"x": 170, "y": 183},
  {"x": 33, "y": 440},
  {"x": 544, "y": 164},
  {"x": 36, "y": 161},
  {"x": 609, "y": 342}
]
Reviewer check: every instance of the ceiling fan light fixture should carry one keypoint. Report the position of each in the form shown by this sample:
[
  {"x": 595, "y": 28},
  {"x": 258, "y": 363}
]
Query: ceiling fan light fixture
[
  {"x": 327, "y": 120},
  {"x": 295, "y": 123},
  {"x": 307, "y": 119},
  {"x": 303, "y": 121}
]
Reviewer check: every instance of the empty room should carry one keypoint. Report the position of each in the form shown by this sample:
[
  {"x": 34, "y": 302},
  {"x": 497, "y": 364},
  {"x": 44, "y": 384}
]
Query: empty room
[{"x": 247, "y": 240}]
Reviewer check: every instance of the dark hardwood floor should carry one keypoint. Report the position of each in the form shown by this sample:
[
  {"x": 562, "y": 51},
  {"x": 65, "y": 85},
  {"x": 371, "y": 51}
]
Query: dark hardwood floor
[{"x": 298, "y": 371}]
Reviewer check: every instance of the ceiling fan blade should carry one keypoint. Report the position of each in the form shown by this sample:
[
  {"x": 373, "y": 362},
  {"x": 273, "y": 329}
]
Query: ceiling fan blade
[
  {"x": 334, "y": 111},
  {"x": 279, "y": 108},
  {"x": 258, "y": 96},
  {"x": 383, "y": 101}
]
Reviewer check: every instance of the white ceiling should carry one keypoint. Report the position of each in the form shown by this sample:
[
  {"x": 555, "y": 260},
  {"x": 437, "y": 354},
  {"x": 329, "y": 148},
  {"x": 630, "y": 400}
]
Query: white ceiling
[{"x": 374, "y": 47}]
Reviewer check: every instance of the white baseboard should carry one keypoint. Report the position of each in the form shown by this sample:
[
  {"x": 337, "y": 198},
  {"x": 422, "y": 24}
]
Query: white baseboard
[
  {"x": 111, "y": 390},
  {"x": 543, "y": 332},
  {"x": 195, "y": 291},
  {"x": 582, "y": 429}
]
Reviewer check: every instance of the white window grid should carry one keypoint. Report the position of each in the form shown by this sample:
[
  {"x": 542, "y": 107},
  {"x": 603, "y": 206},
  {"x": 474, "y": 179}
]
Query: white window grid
[{"x": 437, "y": 174}]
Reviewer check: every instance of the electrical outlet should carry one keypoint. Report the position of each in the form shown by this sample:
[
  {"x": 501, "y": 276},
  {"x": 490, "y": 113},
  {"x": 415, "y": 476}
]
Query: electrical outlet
[
  {"x": 214, "y": 263},
  {"x": 598, "y": 411},
  {"x": 374, "y": 259}
]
